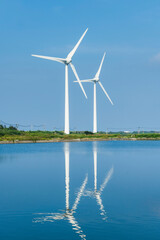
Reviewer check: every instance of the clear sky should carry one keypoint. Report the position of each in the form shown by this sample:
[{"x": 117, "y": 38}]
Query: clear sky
[{"x": 32, "y": 89}]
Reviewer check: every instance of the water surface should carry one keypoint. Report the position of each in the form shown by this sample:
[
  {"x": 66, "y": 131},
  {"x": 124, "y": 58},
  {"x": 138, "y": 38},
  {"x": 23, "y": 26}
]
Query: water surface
[{"x": 86, "y": 190}]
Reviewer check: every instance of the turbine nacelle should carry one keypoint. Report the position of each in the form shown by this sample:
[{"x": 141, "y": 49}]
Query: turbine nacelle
[
  {"x": 95, "y": 79},
  {"x": 68, "y": 61}
]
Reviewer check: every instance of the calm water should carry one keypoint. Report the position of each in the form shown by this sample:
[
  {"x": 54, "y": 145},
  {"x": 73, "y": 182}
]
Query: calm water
[{"x": 87, "y": 190}]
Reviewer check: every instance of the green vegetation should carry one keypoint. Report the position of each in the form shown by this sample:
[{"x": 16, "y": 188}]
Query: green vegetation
[{"x": 11, "y": 134}]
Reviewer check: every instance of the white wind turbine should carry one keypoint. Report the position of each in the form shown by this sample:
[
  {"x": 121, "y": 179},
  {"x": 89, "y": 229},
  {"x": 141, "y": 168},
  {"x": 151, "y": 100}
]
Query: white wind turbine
[
  {"x": 96, "y": 80},
  {"x": 68, "y": 213},
  {"x": 67, "y": 61}
]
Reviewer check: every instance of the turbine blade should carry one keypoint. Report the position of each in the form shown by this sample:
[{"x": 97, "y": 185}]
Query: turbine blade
[
  {"x": 98, "y": 194},
  {"x": 106, "y": 180},
  {"x": 87, "y": 80},
  {"x": 61, "y": 60},
  {"x": 101, "y": 207},
  {"x": 80, "y": 194},
  {"x": 99, "y": 70},
  {"x": 105, "y": 92},
  {"x": 76, "y": 75},
  {"x": 76, "y": 227},
  {"x": 49, "y": 217},
  {"x": 70, "y": 55}
]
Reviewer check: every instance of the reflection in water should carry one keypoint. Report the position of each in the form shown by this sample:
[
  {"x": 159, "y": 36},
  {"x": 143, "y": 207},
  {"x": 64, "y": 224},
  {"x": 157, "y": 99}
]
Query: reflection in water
[
  {"x": 68, "y": 214},
  {"x": 97, "y": 193},
  {"x": 139, "y": 220}
]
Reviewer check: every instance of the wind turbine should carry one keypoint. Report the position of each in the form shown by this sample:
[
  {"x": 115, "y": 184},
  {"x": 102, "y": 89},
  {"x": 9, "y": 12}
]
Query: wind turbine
[
  {"x": 97, "y": 193},
  {"x": 96, "y": 80},
  {"x": 67, "y": 61},
  {"x": 68, "y": 213}
]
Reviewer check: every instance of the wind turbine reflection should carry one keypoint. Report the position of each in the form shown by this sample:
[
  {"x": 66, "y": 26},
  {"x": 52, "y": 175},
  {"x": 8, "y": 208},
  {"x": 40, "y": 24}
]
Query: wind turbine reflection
[
  {"x": 97, "y": 193},
  {"x": 67, "y": 214}
]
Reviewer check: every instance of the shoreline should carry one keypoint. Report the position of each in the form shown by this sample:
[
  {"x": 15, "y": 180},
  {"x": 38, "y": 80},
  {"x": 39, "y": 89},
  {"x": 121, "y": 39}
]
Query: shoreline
[{"x": 78, "y": 140}]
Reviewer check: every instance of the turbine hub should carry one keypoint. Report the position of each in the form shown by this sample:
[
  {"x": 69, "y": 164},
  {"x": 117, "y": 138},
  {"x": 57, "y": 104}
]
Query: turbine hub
[
  {"x": 96, "y": 79},
  {"x": 68, "y": 61}
]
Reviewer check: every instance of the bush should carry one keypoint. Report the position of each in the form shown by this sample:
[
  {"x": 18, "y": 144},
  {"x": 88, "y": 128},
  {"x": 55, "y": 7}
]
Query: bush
[
  {"x": 12, "y": 128},
  {"x": 88, "y": 132}
]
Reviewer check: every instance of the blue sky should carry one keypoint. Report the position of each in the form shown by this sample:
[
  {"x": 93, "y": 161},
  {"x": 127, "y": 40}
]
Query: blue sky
[{"x": 32, "y": 90}]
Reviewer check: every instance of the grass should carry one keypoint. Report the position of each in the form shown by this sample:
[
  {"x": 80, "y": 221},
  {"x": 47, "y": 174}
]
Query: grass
[{"x": 11, "y": 134}]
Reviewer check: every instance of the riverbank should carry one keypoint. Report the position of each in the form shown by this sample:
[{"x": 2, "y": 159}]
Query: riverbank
[
  {"x": 78, "y": 140},
  {"x": 13, "y": 135}
]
